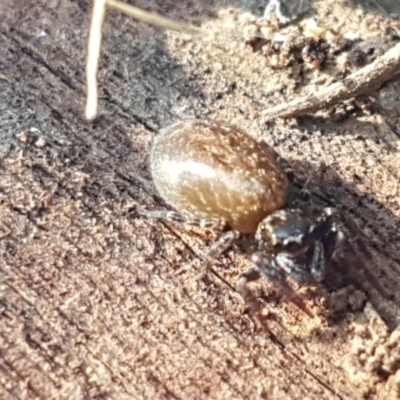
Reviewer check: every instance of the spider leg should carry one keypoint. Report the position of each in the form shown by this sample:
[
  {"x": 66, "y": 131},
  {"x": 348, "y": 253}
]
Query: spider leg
[
  {"x": 318, "y": 264},
  {"x": 268, "y": 268},
  {"x": 296, "y": 267},
  {"x": 250, "y": 275},
  {"x": 359, "y": 273},
  {"x": 286, "y": 167},
  {"x": 223, "y": 243},
  {"x": 327, "y": 230},
  {"x": 264, "y": 266},
  {"x": 341, "y": 235},
  {"x": 177, "y": 217},
  {"x": 218, "y": 248}
]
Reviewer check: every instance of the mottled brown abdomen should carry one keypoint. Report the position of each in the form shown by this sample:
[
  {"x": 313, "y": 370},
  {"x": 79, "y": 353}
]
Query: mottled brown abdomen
[{"x": 209, "y": 170}]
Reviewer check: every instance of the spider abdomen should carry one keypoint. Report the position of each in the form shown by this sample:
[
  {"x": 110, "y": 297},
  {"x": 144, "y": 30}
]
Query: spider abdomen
[{"x": 214, "y": 171}]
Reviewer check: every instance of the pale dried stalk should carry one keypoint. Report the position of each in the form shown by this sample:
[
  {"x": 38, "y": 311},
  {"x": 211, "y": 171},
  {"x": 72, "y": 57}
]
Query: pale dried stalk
[
  {"x": 153, "y": 18},
  {"x": 370, "y": 77},
  {"x": 93, "y": 56},
  {"x": 95, "y": 35}
]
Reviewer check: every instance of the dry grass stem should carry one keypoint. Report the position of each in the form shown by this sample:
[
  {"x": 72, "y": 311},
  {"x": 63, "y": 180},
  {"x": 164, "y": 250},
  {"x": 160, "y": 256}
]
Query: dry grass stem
[
  {"x": 93, "y": 56},
  {"x": 153, "y": 18},
  {"x": 94, "y": 45}
]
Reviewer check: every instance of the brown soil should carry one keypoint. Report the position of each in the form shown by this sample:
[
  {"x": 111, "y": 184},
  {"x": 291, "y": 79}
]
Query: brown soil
[{"x": 98, "y": 303}]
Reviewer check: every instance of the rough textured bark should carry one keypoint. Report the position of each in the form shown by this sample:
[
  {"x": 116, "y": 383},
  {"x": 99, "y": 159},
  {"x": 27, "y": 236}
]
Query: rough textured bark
[{"x": 96, "y": 302}]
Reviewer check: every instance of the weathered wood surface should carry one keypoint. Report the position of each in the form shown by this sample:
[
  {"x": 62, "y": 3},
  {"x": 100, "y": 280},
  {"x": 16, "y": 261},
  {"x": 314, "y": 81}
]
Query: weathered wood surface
[{"x": 98, "y": 303}]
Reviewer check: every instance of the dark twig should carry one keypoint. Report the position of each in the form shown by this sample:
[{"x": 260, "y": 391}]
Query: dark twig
[{"x": 370, "y": 77}]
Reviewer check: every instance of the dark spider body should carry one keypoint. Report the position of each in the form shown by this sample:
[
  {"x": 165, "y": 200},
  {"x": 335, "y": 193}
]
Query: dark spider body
[{"x": 210, "y": 171}]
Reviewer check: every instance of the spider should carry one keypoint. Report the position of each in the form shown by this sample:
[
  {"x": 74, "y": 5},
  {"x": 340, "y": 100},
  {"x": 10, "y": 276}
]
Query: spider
[
  {"x": 213, "y": 173},
  {"x": 291, "y": 244}
]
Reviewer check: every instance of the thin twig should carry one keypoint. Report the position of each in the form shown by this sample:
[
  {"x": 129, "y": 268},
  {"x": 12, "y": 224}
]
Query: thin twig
[
  {"x": 93, "y": 56},
  {"x": 153, "y": 18},
  {"x": 370, "y": 77}
]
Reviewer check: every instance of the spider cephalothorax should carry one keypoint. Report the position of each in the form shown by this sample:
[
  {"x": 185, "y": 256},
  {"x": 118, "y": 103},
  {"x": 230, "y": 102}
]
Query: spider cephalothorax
[{"x": 291, "y": 245}]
